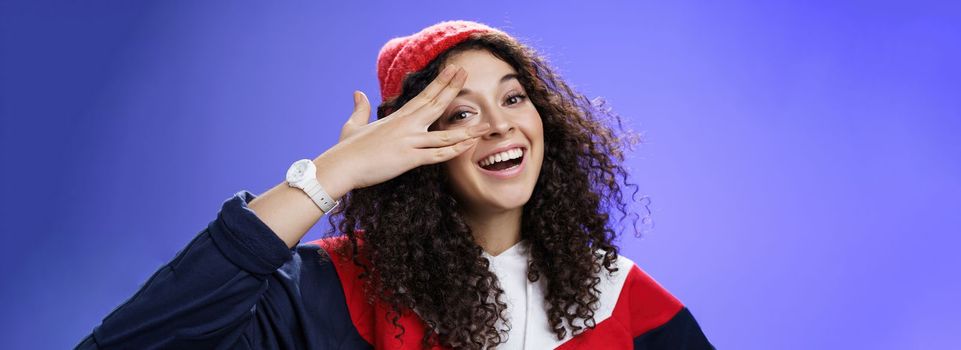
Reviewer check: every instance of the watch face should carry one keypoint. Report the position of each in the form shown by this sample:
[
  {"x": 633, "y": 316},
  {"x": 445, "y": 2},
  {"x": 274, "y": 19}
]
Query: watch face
[{"x": 297, "y": 170}]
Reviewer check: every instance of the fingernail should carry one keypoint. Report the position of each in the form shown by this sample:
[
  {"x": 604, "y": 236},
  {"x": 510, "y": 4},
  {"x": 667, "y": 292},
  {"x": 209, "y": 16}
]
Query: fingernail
[{"x": 449, "y": 70}]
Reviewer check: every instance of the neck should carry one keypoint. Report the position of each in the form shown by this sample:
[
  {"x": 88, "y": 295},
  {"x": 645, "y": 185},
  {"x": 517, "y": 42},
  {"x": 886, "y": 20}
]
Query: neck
[{"x": 495, "y": 231}]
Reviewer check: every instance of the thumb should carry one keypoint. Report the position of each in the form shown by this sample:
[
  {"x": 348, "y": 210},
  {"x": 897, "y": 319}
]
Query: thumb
[
  {"x": 361, "y": 114},
  {"x": 359, "y": 117}
]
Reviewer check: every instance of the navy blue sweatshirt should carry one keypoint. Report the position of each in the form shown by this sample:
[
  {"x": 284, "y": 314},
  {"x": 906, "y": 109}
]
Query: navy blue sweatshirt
[{"x": 237, "y": 285}]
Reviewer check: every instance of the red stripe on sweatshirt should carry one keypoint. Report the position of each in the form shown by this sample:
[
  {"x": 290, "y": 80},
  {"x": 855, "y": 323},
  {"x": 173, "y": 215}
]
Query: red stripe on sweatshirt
[{"x": 642, "y": 305}]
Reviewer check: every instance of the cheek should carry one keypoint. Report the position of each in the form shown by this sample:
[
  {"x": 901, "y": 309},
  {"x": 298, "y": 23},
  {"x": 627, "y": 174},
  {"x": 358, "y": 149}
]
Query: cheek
[
  {"x": 460, "y": 178},
  {"x": 534, "y": 128},
  {"x": 536, "y": 133},
  {"x": 457, "y": 167}
]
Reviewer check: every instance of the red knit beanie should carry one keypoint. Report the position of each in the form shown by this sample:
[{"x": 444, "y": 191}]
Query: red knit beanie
[{"x": 412, "y": 53}]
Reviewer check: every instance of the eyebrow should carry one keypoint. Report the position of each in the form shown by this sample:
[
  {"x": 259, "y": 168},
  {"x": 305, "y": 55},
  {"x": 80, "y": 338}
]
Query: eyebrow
[{"x": 504, "y": 79}]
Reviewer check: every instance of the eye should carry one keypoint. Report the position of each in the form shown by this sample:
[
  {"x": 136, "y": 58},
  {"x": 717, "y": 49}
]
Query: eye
[
  {"x": 518, "y": 96},
  {"x": 454, "y": 116},
  {"x": 459, "y": 115}
]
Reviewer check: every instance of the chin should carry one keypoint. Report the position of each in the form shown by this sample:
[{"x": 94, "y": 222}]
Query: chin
[
  {"x": 487, "y": 198},
  {"x": 514, "y": 200}
]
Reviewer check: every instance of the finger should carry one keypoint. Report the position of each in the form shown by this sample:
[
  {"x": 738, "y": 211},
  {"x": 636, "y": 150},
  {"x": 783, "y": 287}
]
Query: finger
[
  {"x": 361, "y": 114},
  {"x": 443, "y": 154},
  {"x": 443, "y": 138},
  {"x": 443, "y": 78},
  {"x": 442, "y": 100},
  {"x": 359, "y": 117}
]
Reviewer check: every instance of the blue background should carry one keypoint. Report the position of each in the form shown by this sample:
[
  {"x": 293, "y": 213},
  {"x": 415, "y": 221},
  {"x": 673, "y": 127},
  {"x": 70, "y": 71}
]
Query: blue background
[{"x": 803, "y": 158}]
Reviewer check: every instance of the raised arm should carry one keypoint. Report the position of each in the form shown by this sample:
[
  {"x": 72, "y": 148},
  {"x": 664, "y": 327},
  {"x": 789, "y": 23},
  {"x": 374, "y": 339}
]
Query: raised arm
[{"x": 216, "y": 292}]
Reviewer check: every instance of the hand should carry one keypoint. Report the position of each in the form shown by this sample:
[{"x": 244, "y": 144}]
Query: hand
[{"x": 372, "y": 153}]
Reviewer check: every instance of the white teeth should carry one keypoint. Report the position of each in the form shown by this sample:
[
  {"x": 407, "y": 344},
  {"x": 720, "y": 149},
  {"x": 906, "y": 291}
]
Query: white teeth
[{"x": 502, "y": 156}]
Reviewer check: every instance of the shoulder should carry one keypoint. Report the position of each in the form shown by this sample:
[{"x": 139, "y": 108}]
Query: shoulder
[
  {"x": 643, "y": 303},
  {"x": 369, "y": 317},
  {"x": 631, "y": 294},
  {"x": 321, "y": 259},
  {"x": 638, "y": 310},
  {"x": 654, "y": 317},
  {"x": 326, "y": 253},
  {"x": 329, "y": 251}
]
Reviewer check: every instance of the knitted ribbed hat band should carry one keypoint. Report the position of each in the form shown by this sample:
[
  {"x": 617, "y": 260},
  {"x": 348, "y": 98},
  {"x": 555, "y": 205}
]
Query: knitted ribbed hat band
[{"x": 407, "y": 54}]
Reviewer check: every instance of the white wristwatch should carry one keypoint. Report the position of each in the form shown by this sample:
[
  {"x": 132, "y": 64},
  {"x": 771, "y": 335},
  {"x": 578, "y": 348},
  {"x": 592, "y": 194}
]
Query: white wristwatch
[{"x": 303, "y": 175}]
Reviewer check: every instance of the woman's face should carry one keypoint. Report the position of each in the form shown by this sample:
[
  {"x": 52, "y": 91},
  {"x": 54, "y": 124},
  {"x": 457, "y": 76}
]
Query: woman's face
[{"x": 492, "y": 94}]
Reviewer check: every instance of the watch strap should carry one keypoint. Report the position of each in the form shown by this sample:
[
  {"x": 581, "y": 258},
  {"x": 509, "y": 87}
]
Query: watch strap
[{"x": 320, "y": 197}]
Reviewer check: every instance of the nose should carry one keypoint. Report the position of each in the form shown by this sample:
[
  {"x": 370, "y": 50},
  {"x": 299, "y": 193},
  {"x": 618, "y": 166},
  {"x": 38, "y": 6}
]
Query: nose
[{"x": 501, "y": 125}]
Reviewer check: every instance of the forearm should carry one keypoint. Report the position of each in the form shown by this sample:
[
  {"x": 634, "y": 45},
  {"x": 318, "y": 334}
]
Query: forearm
[{"x": 289, "y": 212}]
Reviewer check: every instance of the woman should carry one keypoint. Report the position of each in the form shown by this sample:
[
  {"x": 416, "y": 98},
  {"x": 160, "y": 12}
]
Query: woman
[{"x": 474, "y": 215}]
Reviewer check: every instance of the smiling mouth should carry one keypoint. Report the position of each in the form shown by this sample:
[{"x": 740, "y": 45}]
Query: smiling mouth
[{"x": 505, "y": 164}]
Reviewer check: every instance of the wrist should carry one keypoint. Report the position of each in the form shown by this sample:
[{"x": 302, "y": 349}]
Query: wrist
[{"x": 335, "y": 181}]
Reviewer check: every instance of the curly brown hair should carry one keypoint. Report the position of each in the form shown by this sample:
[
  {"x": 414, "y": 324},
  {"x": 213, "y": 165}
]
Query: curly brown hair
[{"x": 419, "y": 254}]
